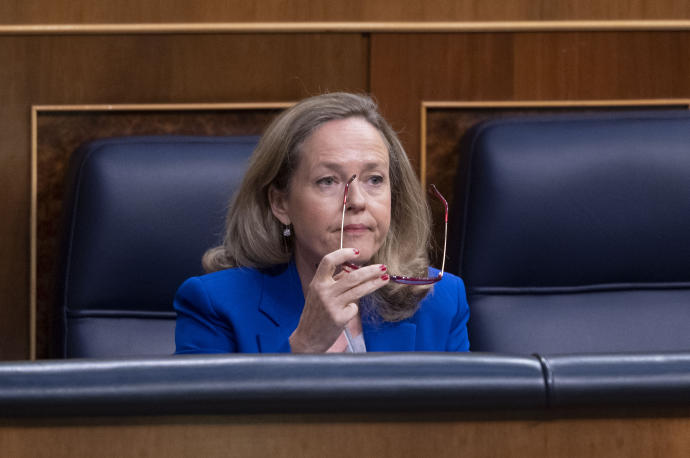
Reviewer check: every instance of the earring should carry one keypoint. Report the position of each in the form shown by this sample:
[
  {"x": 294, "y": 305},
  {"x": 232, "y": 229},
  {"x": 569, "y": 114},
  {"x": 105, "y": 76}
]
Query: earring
[{"x": 287, "y": 232}]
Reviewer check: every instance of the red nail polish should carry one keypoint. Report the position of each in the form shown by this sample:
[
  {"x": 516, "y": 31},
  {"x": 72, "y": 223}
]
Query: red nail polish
[
  {"x": 384, "y": 277},
  {"x": 356, "y": 250},
  {"x": 383, "y": 268}
]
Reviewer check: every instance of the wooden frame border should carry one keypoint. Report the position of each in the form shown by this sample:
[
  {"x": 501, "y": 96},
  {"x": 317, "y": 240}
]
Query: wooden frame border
[
  {"x": 36, "y": 110},
  {"x": 427, "y": 105},
  {"x": 424, "y": 107},
  {"x": 345, "y": 27}
]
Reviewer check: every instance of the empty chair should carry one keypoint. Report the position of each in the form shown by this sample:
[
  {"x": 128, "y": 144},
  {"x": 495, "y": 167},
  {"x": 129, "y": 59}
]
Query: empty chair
[
  {"x": 139, "y": 214},
  {"x": 572, "y": 233}
]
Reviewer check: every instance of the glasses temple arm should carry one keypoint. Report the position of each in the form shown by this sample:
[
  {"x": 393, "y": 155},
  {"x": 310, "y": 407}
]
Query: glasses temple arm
[
  {"x": 445, "y": 239},
  {"x": 342, "y": 221},
  {"x": 445, "y": 230}
]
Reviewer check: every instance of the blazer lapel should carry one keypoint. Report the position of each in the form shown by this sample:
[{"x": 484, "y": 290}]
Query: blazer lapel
[
  {"x": 281, "y": 302},
  {"x": 390, "y": 336}
]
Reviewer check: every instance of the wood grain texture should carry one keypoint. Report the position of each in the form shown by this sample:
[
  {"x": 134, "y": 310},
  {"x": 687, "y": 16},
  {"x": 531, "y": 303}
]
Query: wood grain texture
[
  {"x": 407, "y": 69},
  {"x": 537, "y": 435},
  {"x": 344, "y": 27},
  {"x": 14, "y": 199},
  {"x": 133, "y": 11},
  {"x": 602, "y": 65},
  {"x": 105, "y": 69},
  {"x": 198, "y": 68}
]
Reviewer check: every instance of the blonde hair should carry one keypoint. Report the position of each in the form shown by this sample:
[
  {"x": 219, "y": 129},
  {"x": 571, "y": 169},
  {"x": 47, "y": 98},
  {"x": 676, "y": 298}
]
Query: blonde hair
[{"x": 253, "y": 236}]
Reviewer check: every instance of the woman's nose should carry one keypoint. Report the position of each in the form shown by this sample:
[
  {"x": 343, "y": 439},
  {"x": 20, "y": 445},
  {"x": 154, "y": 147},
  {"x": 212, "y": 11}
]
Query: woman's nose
[{"x": 355, "y": 196}]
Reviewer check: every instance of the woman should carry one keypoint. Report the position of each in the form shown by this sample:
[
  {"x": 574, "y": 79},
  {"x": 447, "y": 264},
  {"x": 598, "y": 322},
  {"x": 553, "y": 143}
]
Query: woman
[{"x": 305, "y": 264}]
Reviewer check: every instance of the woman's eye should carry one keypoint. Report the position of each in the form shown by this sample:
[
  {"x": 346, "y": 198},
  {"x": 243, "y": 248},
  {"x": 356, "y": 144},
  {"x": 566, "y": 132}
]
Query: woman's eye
[
  {"x": 326, "y": 181},
  {"x": 376, "y": 179}
]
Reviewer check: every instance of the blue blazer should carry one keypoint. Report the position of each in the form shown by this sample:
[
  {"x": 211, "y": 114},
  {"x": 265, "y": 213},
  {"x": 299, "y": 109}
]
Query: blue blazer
[{"x": 245, "y": 310}]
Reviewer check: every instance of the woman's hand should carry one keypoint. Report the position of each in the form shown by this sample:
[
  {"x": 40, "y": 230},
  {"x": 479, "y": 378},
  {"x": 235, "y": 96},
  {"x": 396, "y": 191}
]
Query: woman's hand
[{"x": 330, "y": 301}]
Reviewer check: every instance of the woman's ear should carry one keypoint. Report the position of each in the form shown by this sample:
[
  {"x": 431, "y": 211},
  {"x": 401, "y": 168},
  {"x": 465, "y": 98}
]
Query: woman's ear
[{"x": 279, "y": 205}]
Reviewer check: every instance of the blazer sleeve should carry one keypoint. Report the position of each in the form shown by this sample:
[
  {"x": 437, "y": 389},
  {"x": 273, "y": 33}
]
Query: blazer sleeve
[
  {"x": 457, "y": 338},
  {"x": 198, "y": 328}
]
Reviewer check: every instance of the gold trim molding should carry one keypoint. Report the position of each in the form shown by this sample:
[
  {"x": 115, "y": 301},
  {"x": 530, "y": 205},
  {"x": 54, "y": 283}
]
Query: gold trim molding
[
  {"x": 36, "y": 110},
  {"x": 344, "y": 27},
  {"x": 503, "y": 104}
]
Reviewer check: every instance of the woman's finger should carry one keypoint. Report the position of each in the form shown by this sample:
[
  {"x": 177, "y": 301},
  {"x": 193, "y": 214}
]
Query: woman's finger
[
  {"x": 340, "y": 275},
  {"x": 364, "y": 288},
  {"x": 356, "y": 277},
  {"x": 331, "y": 261}
]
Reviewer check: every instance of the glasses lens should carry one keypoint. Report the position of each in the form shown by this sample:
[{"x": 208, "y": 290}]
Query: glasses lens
[{"x": 414, "y": 281}]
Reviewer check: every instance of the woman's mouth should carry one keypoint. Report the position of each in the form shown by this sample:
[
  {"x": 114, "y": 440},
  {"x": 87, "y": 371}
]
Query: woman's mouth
[{"x": 355, "y": 228}]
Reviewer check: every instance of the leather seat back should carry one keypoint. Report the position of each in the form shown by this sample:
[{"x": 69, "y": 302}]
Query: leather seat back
[
  {"x": 140, "y": 212},
  {"x": 573, "y": 233}
]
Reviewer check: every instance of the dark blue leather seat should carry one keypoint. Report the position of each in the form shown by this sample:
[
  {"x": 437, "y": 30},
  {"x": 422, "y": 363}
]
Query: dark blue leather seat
[
  {"x": 573, "y": 233},
  {"x": 140, "y": 212}
]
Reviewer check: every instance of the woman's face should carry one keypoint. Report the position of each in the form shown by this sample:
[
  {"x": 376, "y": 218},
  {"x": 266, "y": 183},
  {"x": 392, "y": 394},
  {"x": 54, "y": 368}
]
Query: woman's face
[{"x": 314, "y": 201}]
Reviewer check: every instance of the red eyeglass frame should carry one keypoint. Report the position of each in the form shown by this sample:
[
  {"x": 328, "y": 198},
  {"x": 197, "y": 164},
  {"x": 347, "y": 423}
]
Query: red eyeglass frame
[{"x": 401, "y": 278}]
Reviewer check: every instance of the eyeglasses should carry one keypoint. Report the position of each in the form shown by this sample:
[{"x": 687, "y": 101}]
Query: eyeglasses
[{"x": 401, "y": 278}]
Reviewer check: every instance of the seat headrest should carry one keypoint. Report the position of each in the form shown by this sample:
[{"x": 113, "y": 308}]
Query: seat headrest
[
  {"x": 142, "y": 211},
  {"x": 576, "y": 200}
]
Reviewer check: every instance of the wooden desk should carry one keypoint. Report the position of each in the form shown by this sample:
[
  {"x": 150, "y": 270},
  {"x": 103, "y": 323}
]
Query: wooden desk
[{"x": 500, "y": 434}]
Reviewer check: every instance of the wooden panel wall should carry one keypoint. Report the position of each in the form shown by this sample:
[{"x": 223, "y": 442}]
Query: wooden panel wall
[
  {"x": 133, "y": 11},
  {"x": 41, "y": 67},
  {"x": 523, "y": 66},
  {"x": 434, "y": 434}
]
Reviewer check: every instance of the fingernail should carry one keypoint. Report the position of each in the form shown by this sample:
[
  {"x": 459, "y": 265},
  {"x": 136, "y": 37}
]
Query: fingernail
[
  {"x": 384, "y": 277},
  {"x": 383, "y": 268},
  {"x": 356, "y": 250}
]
